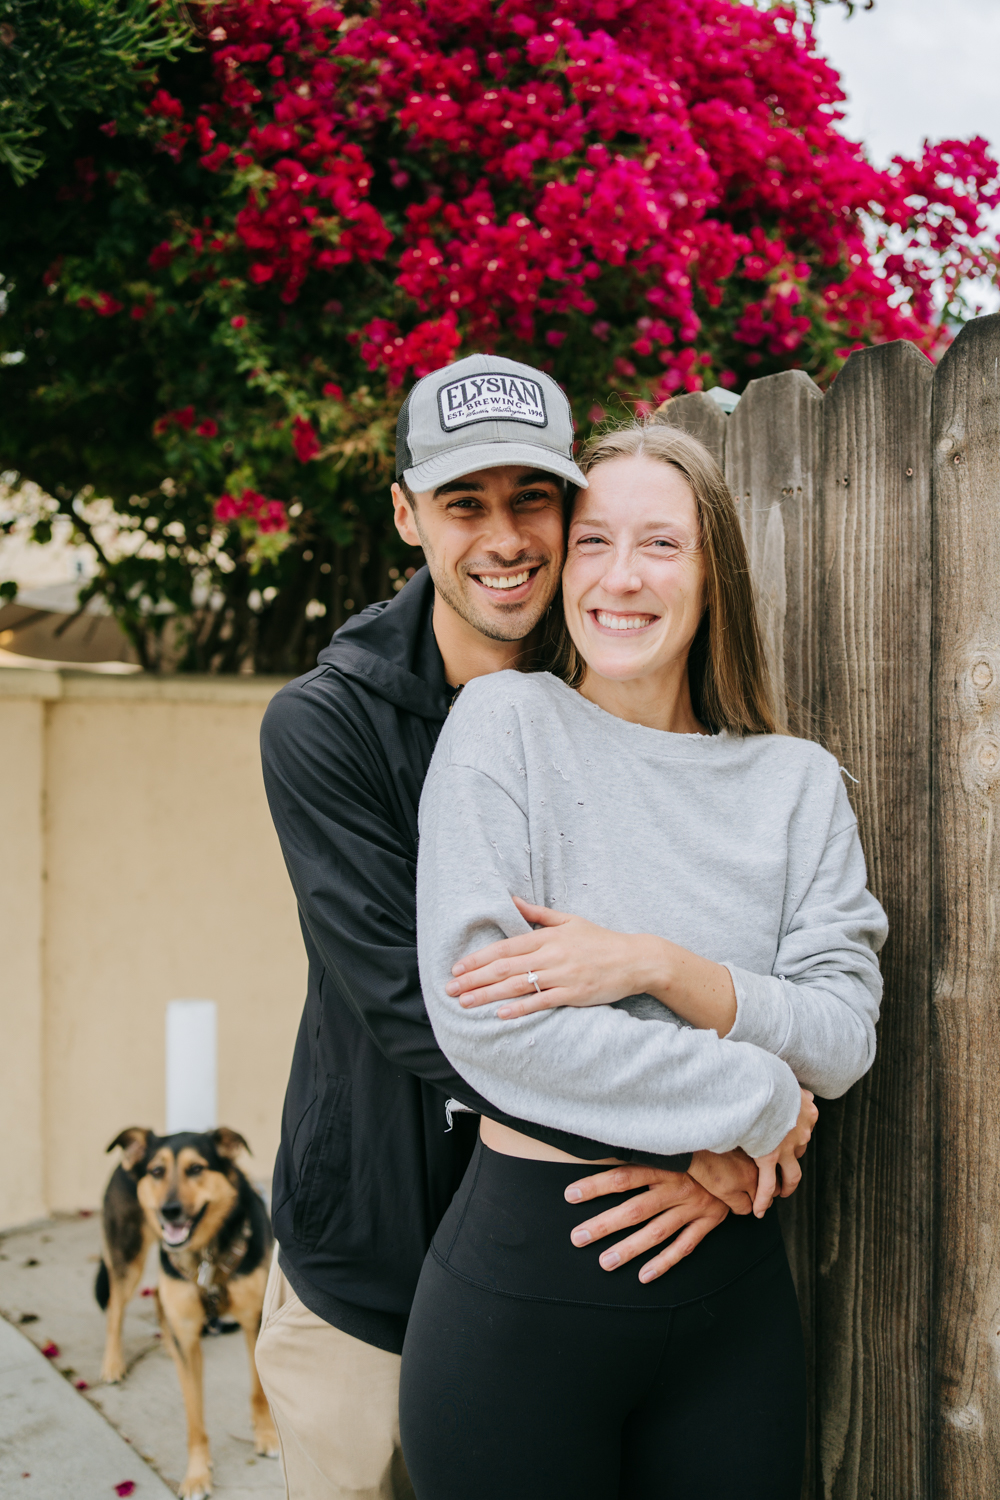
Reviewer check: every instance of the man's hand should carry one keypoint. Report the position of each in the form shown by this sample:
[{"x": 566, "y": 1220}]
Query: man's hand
[
  {"x": 729, "y": 1175},
  {"x": 674, "y": 1201}
]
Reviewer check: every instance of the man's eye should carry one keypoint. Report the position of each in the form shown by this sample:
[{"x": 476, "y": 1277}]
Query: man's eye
[
  {"x": 467, "y": 504},
  {"x": 532, "y": 497}
]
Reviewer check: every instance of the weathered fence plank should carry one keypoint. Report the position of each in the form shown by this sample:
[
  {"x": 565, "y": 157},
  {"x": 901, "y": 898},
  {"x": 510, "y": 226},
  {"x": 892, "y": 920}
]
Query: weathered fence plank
[
  {"x": 772, "y": 461},
  {"x": 873, "y": 1149},
  {"x": 699, "y": 415},
  {"x": 966, "y": 720}
]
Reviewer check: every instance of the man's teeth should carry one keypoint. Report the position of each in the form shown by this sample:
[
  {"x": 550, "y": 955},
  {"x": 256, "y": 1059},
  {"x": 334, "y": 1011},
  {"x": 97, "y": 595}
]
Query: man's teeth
[
  {"x": 622, "y": 622},
  {"x": 512, "y": 581}
]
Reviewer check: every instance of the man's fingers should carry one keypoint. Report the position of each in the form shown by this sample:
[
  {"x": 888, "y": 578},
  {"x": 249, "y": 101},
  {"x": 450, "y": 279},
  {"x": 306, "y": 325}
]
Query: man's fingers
[
  {"x": 653, "y": 1233},
  {"x": 623, "y": 1179},
  {"x": 637, "y": 1210},
  {"x": 682, "y": 1245}
]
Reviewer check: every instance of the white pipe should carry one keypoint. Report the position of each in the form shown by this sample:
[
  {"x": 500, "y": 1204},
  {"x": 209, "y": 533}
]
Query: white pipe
[{"x": 191, "y": 1065}]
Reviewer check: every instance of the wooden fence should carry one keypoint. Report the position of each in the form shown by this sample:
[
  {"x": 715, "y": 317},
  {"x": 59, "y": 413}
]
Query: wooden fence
[{"x": 872, "y": 515}]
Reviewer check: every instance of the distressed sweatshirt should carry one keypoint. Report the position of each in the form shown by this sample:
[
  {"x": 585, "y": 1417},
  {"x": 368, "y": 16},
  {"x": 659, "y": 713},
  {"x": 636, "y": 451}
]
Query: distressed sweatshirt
[{"x": 742, "y": 849}]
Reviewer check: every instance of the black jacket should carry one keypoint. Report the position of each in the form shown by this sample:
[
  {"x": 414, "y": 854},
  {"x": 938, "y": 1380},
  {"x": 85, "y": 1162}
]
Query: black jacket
[{"x": 368, "y": 1161}]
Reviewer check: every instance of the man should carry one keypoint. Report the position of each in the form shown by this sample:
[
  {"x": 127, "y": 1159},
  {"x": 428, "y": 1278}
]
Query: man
[{"x": 376, "y": 1131}]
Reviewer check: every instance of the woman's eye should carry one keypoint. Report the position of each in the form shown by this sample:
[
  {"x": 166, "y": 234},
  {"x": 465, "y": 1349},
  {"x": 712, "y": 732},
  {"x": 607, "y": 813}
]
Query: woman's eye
[
  {"x": 662, "y": 542},
  {"x": 586, "y": 541}
]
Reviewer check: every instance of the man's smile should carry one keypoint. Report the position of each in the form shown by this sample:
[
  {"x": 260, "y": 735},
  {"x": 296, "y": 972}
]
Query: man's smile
[{"x": 509, "y": 587}]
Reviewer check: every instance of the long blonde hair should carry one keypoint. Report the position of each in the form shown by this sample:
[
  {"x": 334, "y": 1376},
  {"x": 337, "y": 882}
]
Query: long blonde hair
[{"x": 727, "y": 670}]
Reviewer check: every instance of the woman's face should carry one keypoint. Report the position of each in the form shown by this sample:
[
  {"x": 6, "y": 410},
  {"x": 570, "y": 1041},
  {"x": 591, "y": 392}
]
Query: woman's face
[{"x": 634, "y": 581}]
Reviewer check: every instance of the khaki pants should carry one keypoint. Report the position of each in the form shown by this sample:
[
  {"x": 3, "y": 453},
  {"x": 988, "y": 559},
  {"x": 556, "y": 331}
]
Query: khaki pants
[{"x": 335, "y": 1403}]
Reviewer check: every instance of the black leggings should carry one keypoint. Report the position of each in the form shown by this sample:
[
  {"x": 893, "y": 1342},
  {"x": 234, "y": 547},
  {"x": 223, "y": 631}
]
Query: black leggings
[{"x": 519, "y": 1397}]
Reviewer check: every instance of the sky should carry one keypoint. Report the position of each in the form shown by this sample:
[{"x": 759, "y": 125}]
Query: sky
[{"x": 917, "y": 69}]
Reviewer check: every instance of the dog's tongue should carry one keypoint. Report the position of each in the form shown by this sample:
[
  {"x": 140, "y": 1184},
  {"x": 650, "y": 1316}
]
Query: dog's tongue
[{"x": 176, "y": 1234}]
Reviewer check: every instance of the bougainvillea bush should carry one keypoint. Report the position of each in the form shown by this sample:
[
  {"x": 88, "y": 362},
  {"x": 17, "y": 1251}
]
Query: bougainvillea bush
[{"x": 223, "y": 289}]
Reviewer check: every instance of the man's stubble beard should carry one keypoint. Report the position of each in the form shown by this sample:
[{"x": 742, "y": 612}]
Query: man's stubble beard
[{"x": 464, "y": 606}]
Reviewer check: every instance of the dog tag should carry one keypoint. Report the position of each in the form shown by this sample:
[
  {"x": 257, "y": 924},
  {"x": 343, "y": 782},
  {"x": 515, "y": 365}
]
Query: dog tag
[{"x": 205, "y": 1275}]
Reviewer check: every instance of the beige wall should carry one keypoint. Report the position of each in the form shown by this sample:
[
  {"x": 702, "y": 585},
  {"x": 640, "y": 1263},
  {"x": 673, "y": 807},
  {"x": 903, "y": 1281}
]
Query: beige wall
[{"x": 138, "y": 865}]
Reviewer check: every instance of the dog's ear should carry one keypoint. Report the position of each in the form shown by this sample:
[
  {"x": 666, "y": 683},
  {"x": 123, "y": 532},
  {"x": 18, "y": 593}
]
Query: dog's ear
[
  {"x": 229, "y": 1143},
  {"x": 133, "y": 1142}
]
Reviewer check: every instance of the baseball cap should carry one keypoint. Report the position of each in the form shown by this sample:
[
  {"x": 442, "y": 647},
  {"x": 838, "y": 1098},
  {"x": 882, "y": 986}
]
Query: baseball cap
[{"x": 478, "y": 413}]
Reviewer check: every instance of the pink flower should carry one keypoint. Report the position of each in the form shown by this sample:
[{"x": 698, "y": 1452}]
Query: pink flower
[
  {"x": 161, "y": 255},
  {"x": 333, "y": 391},
  {"x": 207, "y": 428},
  {"x": 304, "y": 440},
  {"x": 238, "y": 322}
]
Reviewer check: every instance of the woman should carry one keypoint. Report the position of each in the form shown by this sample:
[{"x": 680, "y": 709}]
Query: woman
[{"x": 646, "y": 849}]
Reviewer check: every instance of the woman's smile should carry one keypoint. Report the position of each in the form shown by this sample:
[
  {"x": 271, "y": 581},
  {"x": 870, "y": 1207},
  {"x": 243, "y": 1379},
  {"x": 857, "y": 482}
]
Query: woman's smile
[{"x": 615, "y": 621}]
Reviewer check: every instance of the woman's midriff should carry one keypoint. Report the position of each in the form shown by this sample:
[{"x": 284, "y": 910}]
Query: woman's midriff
[
  {"x": 508, "y": 1229},
  {"x": 512, "y": 1143}
]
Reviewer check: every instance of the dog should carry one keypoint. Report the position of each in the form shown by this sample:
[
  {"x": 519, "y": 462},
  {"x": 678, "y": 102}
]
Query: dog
[{"x": 186, "y": 1193}]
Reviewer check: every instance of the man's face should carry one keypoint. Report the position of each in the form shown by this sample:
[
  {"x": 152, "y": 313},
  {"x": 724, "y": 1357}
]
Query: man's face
[{"x": 494, "y": 544}]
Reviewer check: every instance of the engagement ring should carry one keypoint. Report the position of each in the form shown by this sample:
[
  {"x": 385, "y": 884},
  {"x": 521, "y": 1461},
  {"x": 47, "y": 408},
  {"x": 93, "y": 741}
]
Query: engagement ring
[{"x": 533, "y": 978}]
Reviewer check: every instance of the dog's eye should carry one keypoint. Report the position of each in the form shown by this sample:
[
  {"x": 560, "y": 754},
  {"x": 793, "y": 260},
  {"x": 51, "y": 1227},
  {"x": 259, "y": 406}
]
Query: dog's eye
[
  {"x": 157, "y": 1172},
  {"x": 194, "y": 1170}
]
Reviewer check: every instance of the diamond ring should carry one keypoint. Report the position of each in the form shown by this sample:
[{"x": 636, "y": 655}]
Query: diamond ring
[{"x": 533, "y": 979}]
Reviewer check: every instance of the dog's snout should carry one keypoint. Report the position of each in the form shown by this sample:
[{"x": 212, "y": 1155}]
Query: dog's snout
[{"x": 172, "y": 1211}]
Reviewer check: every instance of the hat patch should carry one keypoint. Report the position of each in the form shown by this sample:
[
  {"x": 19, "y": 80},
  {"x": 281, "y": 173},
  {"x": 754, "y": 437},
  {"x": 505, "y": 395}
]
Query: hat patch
[{"x": 491, "y": 398}]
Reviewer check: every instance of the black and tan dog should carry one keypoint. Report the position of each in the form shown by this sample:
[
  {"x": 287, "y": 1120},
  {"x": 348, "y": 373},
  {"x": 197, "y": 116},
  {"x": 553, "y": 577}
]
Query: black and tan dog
[{"x": 187, "y": 1193}]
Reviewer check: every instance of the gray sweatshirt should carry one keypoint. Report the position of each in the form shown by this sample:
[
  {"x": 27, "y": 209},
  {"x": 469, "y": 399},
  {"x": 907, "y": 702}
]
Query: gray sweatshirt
[{"x": 744, "y": 850}]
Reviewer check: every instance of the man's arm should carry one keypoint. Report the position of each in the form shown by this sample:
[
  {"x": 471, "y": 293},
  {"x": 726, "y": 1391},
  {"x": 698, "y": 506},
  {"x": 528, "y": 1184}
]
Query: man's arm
[{"x": 343, "y": 831}]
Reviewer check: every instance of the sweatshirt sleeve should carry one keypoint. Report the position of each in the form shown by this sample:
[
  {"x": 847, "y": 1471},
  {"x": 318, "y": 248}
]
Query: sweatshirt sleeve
[
  {"x": 599, "y": 1071},
  {"x": 818, "y": 1008}
]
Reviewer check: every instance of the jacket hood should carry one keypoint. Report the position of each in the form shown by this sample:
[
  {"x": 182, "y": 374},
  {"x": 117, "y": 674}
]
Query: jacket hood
[{"x": 390, "y": 649}]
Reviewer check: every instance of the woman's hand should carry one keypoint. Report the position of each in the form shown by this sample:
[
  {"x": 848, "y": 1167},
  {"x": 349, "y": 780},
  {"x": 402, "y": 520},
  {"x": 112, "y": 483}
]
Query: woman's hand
[
  {"x": 576, "y": 962},
  {"x": 786, "y": 1157}
]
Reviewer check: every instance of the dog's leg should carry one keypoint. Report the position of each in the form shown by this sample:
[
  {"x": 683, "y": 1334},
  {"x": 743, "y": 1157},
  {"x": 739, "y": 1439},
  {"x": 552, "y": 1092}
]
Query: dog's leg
[
  {"x": 246, "y": 1300},
  {"x": 181, "y": 1319},
  {"x": 123, "y": 1282}
]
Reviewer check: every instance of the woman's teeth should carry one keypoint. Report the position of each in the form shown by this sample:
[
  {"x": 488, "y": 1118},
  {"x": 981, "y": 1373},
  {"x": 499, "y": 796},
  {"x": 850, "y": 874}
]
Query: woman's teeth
[
  {"x": 622, "y": 622},
  {"x": 512, "y": 581}
]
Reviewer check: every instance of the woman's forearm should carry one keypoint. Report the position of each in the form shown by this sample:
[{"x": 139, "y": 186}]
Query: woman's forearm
[{"x": 693, "y": 987}]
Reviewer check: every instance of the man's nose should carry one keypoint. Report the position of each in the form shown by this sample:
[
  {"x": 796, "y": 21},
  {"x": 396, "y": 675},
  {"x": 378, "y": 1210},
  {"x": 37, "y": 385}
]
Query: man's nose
[{"x": 510, "y": 536}]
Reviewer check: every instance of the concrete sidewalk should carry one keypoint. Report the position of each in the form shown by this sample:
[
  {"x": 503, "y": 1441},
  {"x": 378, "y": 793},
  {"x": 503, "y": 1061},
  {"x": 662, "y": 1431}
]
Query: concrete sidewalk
[
  {"x": 47, "y": 1293},
  {"x": 53, "y": 1444}
]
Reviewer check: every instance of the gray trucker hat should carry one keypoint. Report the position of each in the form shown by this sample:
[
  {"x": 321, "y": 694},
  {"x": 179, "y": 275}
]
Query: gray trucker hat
[{"x": 481, "y": 412}]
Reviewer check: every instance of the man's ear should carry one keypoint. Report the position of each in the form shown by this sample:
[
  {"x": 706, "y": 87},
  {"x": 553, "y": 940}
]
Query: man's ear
[
  {"x": 229, "y": 1143},
  {"x": 402, "y": 515},
  {"x": 133, "y": 1142}
]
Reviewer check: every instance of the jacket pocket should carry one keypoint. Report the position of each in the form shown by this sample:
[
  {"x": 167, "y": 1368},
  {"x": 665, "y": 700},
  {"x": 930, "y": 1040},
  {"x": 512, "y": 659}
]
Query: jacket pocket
[{"x": 326, "y": 1165}]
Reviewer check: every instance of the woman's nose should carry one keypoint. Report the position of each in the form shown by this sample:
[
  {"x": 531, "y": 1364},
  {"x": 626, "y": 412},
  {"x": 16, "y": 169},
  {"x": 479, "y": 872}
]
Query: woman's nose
[{"x": 622, "y": 578}]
